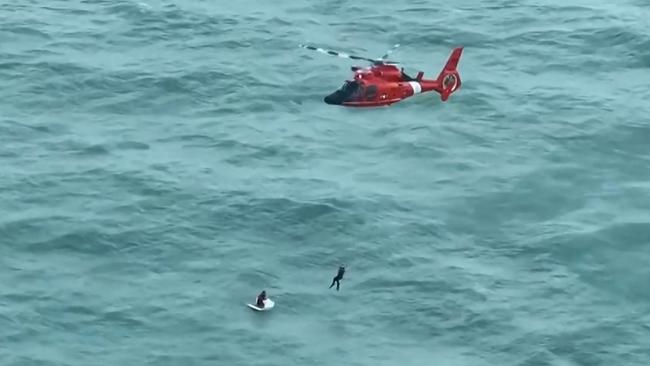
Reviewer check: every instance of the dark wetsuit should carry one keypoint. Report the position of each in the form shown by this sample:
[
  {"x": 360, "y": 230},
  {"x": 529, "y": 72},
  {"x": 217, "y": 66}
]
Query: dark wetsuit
[
  {"x": 339, "y": 277},
  {"x": 260, "y": 300}
]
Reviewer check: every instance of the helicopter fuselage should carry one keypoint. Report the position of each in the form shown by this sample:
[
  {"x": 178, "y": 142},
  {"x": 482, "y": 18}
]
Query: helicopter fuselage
[
  {"x": 384, "y": 84},
  {"x": 379, "y": 85}
]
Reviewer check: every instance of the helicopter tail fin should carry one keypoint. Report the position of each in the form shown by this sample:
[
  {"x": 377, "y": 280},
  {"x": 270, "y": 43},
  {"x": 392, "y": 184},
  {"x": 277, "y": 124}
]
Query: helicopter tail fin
[{"x": 449, "y": 78}]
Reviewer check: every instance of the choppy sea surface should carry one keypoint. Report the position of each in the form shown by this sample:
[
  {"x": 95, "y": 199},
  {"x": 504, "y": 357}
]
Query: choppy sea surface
[{"x": 162, "y": 162}]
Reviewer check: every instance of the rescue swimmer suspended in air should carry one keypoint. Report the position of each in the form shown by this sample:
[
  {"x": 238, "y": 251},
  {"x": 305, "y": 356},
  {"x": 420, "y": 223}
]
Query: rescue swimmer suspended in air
[{"x": 383, "y": 83}]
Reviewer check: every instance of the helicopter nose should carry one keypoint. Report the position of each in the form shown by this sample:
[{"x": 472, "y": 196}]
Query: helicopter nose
[
  {"x": 335, "y": 98},
  {"x": 332, "y": 99}
]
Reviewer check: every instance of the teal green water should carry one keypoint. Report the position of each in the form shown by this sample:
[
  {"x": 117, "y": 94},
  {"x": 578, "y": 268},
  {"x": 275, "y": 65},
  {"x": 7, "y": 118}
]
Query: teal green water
[{"x": 162, "y": 162}]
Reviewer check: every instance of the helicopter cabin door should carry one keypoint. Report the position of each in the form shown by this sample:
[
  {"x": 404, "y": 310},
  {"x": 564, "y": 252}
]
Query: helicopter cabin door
[{"x": 370, "y": 92}]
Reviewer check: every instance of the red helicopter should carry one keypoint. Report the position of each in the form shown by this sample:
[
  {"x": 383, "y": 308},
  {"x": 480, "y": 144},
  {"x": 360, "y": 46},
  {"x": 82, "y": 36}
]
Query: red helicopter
[{"x": 384, "y": 83}]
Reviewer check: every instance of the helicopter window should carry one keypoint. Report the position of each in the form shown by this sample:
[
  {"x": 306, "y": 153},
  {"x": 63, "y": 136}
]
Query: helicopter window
[
  {"x": 371, "y": 91},
  {"x": 349, "y": 87}
]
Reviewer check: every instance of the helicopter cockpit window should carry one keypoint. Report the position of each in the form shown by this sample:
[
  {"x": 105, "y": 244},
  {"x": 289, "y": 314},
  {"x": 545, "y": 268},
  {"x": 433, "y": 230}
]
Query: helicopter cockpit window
[{"x": 349, "y": 89}]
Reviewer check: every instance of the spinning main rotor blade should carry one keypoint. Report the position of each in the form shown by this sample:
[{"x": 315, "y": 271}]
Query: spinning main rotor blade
[
  {"x": 345, "y": 55},
  {"x": 389, "y": 52}
]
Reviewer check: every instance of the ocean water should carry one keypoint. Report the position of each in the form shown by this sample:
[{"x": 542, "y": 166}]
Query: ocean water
[{"x": 162, "y": 162}]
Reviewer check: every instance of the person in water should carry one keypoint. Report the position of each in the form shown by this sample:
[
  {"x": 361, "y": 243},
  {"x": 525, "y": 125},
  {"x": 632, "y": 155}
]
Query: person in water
[
  {"x": 338, "y": 278},
  {"x": 260, "y": 299}
]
